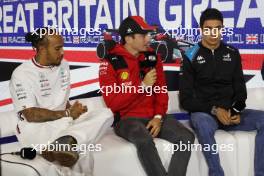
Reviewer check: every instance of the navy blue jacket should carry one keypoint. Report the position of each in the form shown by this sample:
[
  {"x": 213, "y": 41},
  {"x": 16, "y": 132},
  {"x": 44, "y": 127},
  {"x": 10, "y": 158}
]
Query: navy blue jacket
[{"x": 212, "y": 78}]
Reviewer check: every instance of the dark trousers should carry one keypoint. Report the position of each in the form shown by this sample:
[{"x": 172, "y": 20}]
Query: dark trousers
[{"x": 134, "y": 130}]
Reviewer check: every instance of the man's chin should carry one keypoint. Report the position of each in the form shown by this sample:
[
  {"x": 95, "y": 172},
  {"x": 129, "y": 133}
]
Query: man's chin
[
  {"x": 144, "y": 49},
  {"x": 214, "y": 42},
  {"x": 57, "y": 64}
]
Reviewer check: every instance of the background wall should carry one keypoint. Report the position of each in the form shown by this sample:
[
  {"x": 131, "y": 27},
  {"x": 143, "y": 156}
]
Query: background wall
[{"x": 17, "y": 17}]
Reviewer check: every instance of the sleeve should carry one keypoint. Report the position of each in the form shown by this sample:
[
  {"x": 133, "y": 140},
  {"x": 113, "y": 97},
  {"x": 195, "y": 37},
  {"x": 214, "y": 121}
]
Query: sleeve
[
  {"x": 67, "y": 68},
  {"x": 188, "y": 99},
  {"x": 161, "y": 97},
  {"x": 108, "y": 83},
  {"x": 21, "y": 92},
  {"x": 239, "y": 86}
]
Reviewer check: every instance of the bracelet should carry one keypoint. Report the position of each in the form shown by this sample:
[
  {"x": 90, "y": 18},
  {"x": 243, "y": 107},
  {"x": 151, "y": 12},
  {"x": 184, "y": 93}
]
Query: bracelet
[{"x": 67, "y": 112}]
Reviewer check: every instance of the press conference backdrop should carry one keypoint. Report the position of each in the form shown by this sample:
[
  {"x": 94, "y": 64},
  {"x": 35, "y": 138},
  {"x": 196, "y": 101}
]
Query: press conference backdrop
[{"x": 87, "y": 19}]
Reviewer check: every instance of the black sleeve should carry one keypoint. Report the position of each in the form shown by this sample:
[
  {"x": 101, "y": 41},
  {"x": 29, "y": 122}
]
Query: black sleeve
[
  {"x": 239, "y": 86},
  {"x": 187, "y": 96}
]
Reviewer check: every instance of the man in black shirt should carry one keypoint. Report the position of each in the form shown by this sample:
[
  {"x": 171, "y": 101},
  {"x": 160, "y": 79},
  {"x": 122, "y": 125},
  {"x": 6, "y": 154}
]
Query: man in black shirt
[{"x": 213, "y": 90}]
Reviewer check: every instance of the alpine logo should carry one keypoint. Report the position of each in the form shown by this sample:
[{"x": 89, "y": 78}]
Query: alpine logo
[{"x": 200, "y": 60}]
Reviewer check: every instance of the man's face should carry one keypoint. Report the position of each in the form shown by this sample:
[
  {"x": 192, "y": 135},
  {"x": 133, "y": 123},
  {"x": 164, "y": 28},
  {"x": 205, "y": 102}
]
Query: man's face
[
  {"x": 54, "y": 50},
  {"x": 139, "y": 42},
  {"x": 211, "y": 32}
]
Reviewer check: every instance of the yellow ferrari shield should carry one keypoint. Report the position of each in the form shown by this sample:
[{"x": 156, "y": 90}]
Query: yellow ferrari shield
[{"x": 124, "y": 75}]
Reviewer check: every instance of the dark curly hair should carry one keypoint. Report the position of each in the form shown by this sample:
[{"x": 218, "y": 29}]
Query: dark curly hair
[{"x": 39, "y": 36}]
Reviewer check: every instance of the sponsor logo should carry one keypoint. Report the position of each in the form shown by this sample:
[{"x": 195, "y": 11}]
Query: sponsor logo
[
  {"x": 152, "y": 58},
  {"x": 124, "y": 75},
  {"x": 200, "y": 60},
  {"x": 129, "y": 31},
  {"x": 227, "y": 58}
]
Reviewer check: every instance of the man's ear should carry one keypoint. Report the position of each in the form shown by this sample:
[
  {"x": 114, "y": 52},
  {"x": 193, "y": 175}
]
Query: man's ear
[
  {"x": 41, "y": 48},
  {"x": 128, "y": 39}
]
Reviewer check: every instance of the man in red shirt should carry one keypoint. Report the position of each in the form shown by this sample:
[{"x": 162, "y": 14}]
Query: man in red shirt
[{"x": 133, "y": 85}]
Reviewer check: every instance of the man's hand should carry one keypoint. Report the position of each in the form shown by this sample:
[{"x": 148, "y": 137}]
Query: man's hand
[
  {"x": 77, "y": 109},
  {"x": 154, "y": 126},
  {"x": 223, "y": 116},
  {"x": 150, "y": 78},
  {"x": 235, "y": 119}
]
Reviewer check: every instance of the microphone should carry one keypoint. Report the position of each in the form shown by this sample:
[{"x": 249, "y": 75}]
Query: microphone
[
  {"x": 103, "y": 48},
  {"x": 149, "y": 62},
  {"x": 26, "y": 153}
]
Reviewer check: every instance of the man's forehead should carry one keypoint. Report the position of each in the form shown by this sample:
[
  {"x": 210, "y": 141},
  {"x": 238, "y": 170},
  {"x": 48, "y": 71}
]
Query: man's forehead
[{"x": 212, "y": 23}]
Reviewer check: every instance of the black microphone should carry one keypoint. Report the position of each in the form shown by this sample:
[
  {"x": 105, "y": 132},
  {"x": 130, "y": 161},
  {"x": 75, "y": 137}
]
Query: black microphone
[
  {"x": 26, "y": 153},
  {"x": 149, "y": 61}
]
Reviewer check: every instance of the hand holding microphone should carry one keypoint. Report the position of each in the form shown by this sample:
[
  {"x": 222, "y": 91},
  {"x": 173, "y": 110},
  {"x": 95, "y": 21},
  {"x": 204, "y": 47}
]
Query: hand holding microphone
[{"x": 150, "y": 78}]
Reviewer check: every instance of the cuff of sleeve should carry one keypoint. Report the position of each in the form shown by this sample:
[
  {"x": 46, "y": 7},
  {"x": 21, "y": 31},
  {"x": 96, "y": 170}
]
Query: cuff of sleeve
[
  {"x": 158, "y": 116},
  {"x": 238, "y": 106}
]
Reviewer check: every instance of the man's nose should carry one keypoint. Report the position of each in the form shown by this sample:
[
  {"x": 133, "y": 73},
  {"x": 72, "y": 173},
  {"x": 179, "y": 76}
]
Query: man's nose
[{"x": 62, "y": 51}]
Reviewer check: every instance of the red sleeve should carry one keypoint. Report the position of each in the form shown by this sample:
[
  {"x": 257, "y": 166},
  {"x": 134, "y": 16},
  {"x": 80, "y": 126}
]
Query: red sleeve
[
  {"x": 108, "y": 80},
  {"x": 161, "y": 98}
]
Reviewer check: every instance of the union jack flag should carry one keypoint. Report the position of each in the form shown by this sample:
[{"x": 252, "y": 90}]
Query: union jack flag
[
  {"x": 252, "y": 39},
  {"x": 76, "y": 39}
]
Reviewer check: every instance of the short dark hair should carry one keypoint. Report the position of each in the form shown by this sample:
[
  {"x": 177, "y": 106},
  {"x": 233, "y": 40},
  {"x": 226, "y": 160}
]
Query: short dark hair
[
  {"x": 123, "y": 41},
  {"x": 210, "y": 14}
]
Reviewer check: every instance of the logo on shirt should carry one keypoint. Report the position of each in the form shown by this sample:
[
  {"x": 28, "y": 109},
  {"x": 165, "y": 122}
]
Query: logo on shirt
[
  {"x": 64, "y": 78},
  {"x": 124, "y": 75},
  {"x": 41, "y": 76},
  {"x": 227, "y": 58},
  {"x": 200, "y": 60},
  {"x": 129, "y": 83},
  {"x": 103, "y": 68},
  {"x": 114, "y": 58}
]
